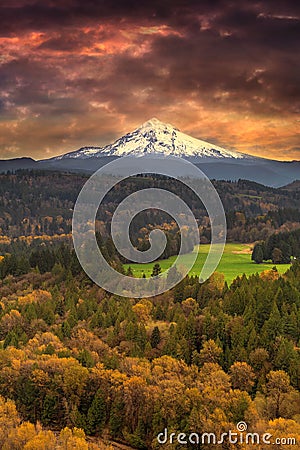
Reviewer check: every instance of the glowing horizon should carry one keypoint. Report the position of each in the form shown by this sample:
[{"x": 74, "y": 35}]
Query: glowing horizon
[{"x": 74, "y": 75}]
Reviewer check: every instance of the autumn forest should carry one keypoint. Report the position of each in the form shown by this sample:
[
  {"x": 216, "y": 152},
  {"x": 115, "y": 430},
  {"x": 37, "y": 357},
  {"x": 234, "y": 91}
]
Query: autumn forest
[{"x": 83, "y": 369}]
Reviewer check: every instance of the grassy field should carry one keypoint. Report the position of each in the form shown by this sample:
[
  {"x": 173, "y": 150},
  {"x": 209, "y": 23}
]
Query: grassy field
[{"x": 236, "y": 260}]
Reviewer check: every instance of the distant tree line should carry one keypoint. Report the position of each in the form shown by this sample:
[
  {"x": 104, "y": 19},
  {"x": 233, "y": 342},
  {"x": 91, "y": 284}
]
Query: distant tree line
[
  {"x": 279, "y": 248},
  {"x": 37, "y": 203}
]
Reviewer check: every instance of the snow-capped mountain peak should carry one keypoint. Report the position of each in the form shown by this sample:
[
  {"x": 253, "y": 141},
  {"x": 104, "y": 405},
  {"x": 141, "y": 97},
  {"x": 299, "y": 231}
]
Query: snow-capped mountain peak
[
  {"x": 155, "y": 123},
  {"x": 156, "y": 137}
]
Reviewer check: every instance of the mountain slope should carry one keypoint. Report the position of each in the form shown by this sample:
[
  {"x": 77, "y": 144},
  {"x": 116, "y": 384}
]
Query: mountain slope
[
  {"x": 294, "y": 186},
  {"x": 156, "y": 137},
  {"x": 17, "y": 163}
]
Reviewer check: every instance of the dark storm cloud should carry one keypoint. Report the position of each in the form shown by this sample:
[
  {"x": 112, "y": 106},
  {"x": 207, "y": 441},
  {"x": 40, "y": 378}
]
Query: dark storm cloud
[
  {"x": 248, "y": 53},
  {"x": 27, "y": 84},
  {"x": 210, "y": 64},
  {"x": 35, "y": 15},
  {"x": 68, "y": 63},
  {"x": 50, "y": 14}
]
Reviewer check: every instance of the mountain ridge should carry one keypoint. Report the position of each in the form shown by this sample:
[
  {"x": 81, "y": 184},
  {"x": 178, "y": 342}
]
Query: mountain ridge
[
  {"x": 160, "y": 139},
  {"x": 157, "y": 138}
]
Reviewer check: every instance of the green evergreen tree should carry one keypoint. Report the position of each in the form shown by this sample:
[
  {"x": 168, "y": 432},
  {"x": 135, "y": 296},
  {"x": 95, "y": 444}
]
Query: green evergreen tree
[
  {"x": 129, "y": 272},
  {"x": 116, "y": 419},
  {"x": 156, "y": 270},
  {"x": 96, "y": 415},
  {"x": 277, "y": 256},
  {"x": 155, "y": 337},
  {"x": 258, "y": 254}
]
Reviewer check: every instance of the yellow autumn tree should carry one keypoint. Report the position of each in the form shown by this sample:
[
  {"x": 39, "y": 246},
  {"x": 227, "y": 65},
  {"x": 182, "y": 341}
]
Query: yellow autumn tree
[
  {"x": 287, "y": 431},
  {"x": 9, "y": 419},
  {"x": 242, "y": 376},
  {"x": 44, "y": 440},
  {"x": 72, "y": 439}
]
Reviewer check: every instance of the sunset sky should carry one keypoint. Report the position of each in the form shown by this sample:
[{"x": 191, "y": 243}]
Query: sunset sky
[{"x": 76, "y": 73}]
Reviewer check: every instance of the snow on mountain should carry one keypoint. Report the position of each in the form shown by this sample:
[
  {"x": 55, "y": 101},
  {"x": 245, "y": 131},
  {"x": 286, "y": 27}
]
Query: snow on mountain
[{"x": 156, "y": 137}]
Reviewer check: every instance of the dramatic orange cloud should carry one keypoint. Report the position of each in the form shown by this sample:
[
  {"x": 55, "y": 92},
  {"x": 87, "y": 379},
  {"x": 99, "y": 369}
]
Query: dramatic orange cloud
[{"x": 74, "y": 74}]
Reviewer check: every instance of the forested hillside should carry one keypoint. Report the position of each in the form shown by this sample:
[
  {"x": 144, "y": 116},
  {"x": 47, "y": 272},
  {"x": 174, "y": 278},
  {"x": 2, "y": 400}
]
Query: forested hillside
[
  {"x": 82, "y": 369},
  {"x": 199, "y": 356},
  {"x": 41, "y": 203}
]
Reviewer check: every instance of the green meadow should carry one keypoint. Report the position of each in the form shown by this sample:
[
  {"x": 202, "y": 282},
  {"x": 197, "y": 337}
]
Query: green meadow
[{"x": 236, "y": 260}]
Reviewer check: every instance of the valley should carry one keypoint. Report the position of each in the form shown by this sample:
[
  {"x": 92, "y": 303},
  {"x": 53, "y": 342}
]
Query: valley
[{"x": 235, "y": 262}]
